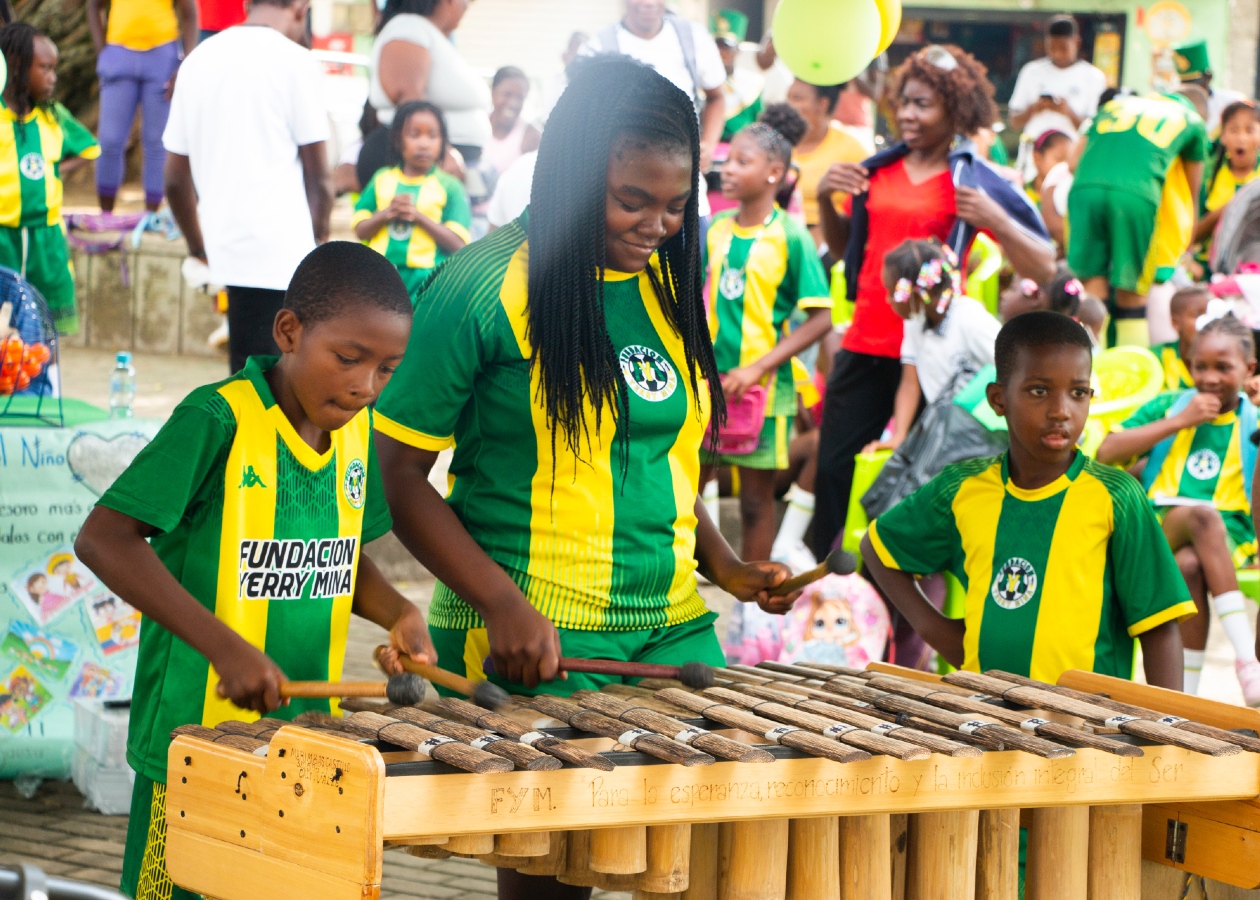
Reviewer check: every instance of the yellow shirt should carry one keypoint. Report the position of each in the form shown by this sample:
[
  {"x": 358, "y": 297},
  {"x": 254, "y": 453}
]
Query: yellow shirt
[
  {"x": 141, "y": 24},
  {"x": 837, "y": 147},
  {"x": 1225, "y": 185}
]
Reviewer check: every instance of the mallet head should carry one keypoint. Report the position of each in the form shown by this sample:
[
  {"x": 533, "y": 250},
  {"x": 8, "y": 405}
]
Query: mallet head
[
  {"x": 405, "y": 689},
  {"x": 489, "y": 696},
  {"x": 696, "y": 675},
  {"x": 841, "y": 562}
]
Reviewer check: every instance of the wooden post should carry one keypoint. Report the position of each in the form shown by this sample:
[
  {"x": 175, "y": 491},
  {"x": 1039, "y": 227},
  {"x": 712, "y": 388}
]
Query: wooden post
[
  {"x": 898, "y": 850},
  {"x": 668, "y": 856},
  {"x": 619, "y": 851},
  {"x": 997, "y": 855},
  {"x": 752, "y": 860},
  {"x": 577, "y": 862},
  {"x": 1058, "y": 854},
  {"x": 1115, "y": 852},
  {"x": 865, "y": 857},
  {"x": 702, "y": 883},
  {"x": 523, "y": 843},
  {"x": 470, "y": 844},
  {"x": 942, "y": 857},
  {"x": 814, "y": 859}
]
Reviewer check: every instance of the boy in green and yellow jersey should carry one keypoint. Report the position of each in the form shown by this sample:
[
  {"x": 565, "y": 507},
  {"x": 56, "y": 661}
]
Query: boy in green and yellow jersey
[
  {"x": 38, "y": 138},
  {"x": 258, "y": 495},
  {"x": 1199, "y": 466},
  {"x": 1062, "y": 558},
  {"x": 1133, "y": 202},
  {"x": 415, "y": 215},
  {"x": 1184, "y": 309}
]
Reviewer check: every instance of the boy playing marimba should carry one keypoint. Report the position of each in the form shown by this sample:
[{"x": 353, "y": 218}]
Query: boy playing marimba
[
  {"x": 259, "y": 489},
  {"x": 1062, "y": 558}
]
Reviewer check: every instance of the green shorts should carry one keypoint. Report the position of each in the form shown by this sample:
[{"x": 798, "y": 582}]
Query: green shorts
[
  {"x": 414, "y": 279},
  {"x": 1109, "y": 234},
  {"x": 39, "y": 253},
  {"x": 461, "y": 650},
  {"x": 144, "y": 858},
  {"x": 771, "y": 452},
  {"x": 1240, "y": 535}
]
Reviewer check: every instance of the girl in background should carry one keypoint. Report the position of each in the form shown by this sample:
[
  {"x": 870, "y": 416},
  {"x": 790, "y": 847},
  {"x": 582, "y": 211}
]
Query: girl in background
[{"x": 414, "y": 213}]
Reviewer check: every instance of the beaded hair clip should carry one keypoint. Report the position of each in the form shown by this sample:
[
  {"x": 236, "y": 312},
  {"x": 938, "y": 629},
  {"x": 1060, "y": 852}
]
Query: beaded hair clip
[
  {"x": 901, "y": 293},
  {"x": 933, "y": 272}
]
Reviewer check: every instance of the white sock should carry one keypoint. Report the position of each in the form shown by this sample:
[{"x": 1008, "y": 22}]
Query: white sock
[
  {"x": 709, "y": 495},
  {"x": 1230, "y": 609},
  {"x": 800, "y": 513},
  {"x": 1193, "y": 669}
]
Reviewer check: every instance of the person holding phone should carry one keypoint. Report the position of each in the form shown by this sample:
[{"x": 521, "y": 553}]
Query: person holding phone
[{"x": 1059, "y": 91}]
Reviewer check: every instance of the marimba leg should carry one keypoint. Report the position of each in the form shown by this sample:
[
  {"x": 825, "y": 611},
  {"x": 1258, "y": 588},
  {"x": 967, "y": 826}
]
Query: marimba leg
[
  {"x": 865, "y": 857},
  {"x": 702, "y": 881},
  {"x": 1058, "y": 854},
  {"x": 942, "y": 858},
  {"x": 814, "y": 859},
  {"x": 752, "y": 860},
  {"x": 619, "y": 851},
  {"x": 1115, "y": 852},
  {"x": 997, "y": 855}
]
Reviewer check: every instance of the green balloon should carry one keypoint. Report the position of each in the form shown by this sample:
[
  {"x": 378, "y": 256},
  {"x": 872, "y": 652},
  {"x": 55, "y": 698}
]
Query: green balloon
[{"x": 826, "y": 41}]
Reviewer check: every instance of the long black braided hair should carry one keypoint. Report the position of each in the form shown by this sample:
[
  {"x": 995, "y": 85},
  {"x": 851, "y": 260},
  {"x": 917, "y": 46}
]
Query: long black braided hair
[
  {"x": 17, "y": 43},
  {"x": 609, "y": 99}
]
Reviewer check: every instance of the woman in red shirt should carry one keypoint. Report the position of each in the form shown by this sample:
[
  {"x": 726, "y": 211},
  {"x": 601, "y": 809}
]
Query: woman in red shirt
[{"x": 909, "y": 191}]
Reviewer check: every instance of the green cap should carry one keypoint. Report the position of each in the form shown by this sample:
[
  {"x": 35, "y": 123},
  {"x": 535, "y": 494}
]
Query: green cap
[
  {"x": 1192, "y": 60},
  {"x": 729, "y": 25}
]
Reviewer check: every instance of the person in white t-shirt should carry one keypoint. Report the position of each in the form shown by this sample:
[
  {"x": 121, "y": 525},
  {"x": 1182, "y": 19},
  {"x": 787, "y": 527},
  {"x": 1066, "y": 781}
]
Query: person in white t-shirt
[
  {"x": 1059, "y": 91},
  {"x": 948, "y": 335},
  {"x": 245, "y": 164},
  {"x": 511, "y": 192},
  {"x": 681, "y": 50}
]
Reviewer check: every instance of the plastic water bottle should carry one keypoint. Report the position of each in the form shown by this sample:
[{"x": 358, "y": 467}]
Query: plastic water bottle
[{"x": 122, "y": 387}]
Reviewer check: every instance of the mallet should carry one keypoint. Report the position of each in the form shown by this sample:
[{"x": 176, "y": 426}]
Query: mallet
[
  {"x": 693, "y": 674},
  {"x": 483, "y": 693},
  {"x": 838, "y": 562},
  {"x": 401, "y": 690}
]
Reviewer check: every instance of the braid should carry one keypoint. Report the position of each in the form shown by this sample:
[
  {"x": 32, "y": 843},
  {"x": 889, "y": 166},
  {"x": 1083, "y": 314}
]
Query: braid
[
  {"x": 17, "y": 43},
  {"x": 610, "y": 98}
]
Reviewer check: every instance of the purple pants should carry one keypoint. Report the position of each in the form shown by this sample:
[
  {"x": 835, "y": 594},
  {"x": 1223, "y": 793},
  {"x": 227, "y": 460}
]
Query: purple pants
[{"x": 131, "y": 79}]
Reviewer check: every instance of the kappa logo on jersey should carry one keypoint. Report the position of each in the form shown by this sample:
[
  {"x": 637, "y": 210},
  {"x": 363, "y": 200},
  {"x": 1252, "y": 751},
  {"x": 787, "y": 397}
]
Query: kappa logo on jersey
[
  {"x": 355, "y": 483},
  {"x": 250, "y": 478},
  {"x": 732, "y": 283},
  {"x": 1203, "y": 464},
  {"x": 296, "y": 569},
  {"x": 400, "y": 230},
  {"x": 32, "y": 166},
  {"x": 648, "y": 373},
  {"x": 1015, "y": 584}
]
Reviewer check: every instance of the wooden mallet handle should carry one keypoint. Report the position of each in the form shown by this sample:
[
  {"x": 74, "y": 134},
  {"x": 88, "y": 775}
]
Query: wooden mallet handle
[
  {"x": 692, "y": 674},
  {"x": 329, "y": 689},
  {"x": 838, "y": 562},
  {"x": 448, "y": 680}
]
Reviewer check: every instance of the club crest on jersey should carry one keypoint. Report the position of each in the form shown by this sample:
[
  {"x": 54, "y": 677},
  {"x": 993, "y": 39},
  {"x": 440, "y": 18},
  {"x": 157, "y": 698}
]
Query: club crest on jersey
[
  {"x": 355, "y": 483},
  {"x": 32, "y": 166},
  {"x": 1203, "y": 464},
  {"x": 732, "y": 282},
  {"x": 1015, "y": 584},
  {"x": 400, "y": 230},
  {"x": 649, "y": 374}
]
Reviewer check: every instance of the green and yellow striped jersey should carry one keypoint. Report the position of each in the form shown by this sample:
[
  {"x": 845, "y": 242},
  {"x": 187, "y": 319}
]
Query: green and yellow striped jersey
[
  {"x": 259, "y": 528},
  {"x": 31, "y": 151},
  {"x": 597, "y": 543},
  {"x": 1176, "y": 375},
  {"x": 437, "y": 195},
  {"x": 757, "y": 277},
  {"x": 1062, "y": 577},
  {"x": 1203, "y": 463}
]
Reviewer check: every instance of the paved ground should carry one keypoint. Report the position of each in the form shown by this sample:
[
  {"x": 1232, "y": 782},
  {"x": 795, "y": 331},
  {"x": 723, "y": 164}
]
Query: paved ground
[{"x": 53, "y": 830}]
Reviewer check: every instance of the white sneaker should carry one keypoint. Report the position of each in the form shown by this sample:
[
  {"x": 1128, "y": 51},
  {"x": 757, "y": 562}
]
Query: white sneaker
[
  {"x": 219, "y": 337},
  {"x": 795, "y": 556}
]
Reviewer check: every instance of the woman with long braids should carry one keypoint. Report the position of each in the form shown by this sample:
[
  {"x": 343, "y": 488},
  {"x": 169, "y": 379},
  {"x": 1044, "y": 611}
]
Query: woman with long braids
[{"x": 567, "y": 358}]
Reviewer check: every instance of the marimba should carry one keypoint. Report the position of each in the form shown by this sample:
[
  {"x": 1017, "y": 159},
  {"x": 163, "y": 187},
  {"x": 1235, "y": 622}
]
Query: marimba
[{"x": 806, "y": 782}]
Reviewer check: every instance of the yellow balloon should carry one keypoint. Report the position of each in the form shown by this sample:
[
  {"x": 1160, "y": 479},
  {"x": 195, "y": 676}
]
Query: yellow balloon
[{"x": 890, "y": 22}]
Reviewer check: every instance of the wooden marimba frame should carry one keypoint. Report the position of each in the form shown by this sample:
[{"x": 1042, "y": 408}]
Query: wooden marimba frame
[{"x": 309, "y": 811}]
